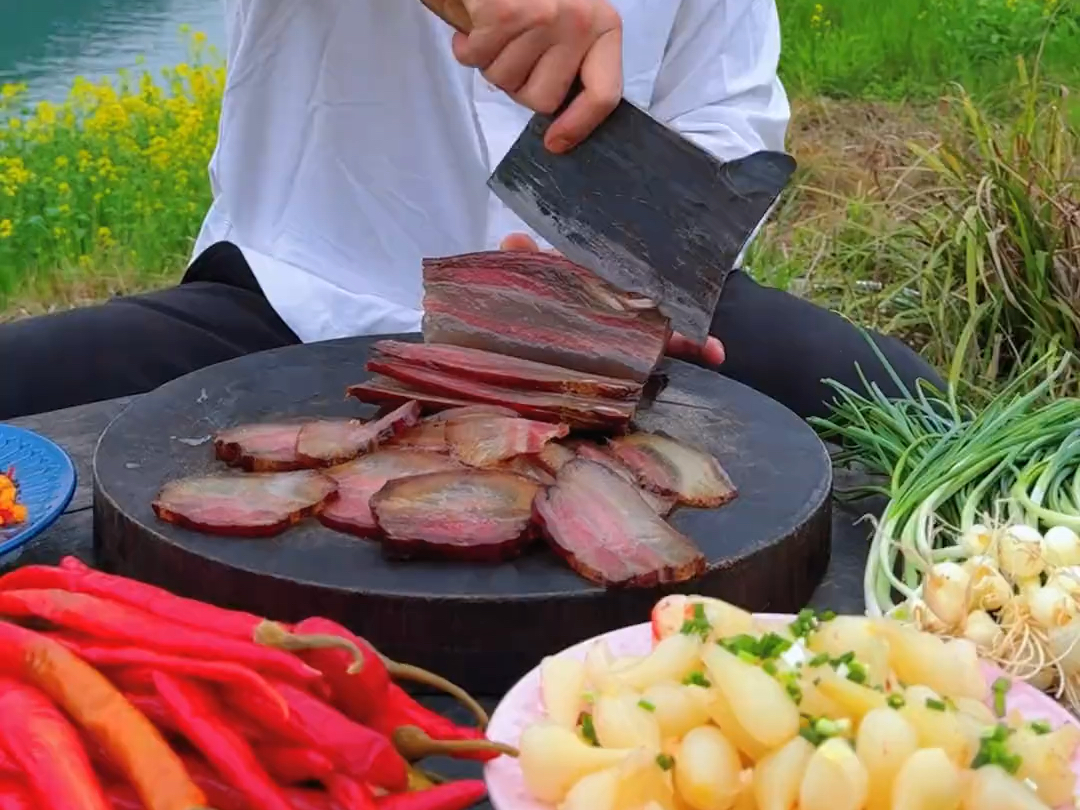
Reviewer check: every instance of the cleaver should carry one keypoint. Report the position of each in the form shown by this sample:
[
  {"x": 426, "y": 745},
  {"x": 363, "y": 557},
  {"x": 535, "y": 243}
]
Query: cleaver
[{"x": 638, "y": 204}]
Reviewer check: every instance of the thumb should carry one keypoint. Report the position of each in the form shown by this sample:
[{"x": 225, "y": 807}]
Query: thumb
[{"x": 519, "y": 241}]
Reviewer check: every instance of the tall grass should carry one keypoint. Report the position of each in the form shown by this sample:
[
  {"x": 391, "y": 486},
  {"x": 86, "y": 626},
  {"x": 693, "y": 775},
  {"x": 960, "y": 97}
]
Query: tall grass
[
  {"x": 914, "y": 48},
  {"x": 972, "y": 252}
]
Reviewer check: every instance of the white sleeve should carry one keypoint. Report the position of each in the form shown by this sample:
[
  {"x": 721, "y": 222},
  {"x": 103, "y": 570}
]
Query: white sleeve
[{"x": 717, "y": 83}]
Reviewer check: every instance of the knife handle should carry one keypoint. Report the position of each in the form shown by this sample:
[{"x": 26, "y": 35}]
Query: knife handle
[{"x": 452, "y": 12}]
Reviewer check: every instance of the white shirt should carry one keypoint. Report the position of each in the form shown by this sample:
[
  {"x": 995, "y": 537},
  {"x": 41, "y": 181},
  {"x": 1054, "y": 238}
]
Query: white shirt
[{"x": 352, "y": 144}]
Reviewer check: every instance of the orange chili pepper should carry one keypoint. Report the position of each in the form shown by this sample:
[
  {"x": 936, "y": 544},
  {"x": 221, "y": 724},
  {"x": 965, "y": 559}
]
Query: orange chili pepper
[
  {"x": 11, "y": 511},
  {"x": 128, "y": 738}
]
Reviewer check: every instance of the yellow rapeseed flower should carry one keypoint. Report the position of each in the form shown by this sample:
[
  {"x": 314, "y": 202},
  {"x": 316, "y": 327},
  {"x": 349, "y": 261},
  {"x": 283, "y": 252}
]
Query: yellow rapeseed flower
[
  {"x": 6, "y": 228},
  {"x": 63, "y": 189}
]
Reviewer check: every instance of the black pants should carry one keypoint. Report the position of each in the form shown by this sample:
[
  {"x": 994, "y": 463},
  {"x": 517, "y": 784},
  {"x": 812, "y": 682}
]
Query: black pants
[{"x": 777, "y": 343}]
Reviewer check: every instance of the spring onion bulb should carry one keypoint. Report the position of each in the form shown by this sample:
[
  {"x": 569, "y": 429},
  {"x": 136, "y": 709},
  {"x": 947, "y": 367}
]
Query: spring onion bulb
[
  {"x": 945, "y": 591},
  {"x": 976, "y": 540},
  {"x": 1061, "y": 547},
  {"x": 994, "y": 494},
  {"x": 1020, "y": 552},
  {"x": 980, "y": 628},
  {"x": 989, "y": 589}
]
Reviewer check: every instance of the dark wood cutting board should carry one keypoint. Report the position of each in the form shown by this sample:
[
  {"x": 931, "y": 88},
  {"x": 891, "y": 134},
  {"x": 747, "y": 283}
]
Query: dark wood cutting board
[{"x": 482, "y": 626}]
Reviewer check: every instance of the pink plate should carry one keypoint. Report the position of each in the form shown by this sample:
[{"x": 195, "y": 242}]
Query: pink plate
[{"x": 522, "y": 706}]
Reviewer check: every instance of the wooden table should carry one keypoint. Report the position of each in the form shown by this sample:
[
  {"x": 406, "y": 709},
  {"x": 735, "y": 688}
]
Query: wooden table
[{"x": 77, "y": 431}]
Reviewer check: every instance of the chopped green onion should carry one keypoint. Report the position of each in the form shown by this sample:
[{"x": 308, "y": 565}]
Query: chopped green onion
[
  {"x": 1000, "y": 688},
  {"x": 1040, "y": 727},
  {"x": 665, "y": 761},
  {"x": 646, "y": 705},
  {"x": 895, "y": 701},
  {"x": 697, "y": 678},
  {"x": 588, "y": 730},
  {"x": 936, "y": 705},
  {"x": 698, "y": 625}
]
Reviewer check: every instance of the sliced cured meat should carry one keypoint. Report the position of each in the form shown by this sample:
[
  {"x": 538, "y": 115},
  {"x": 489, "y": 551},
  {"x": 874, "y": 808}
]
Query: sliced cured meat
[
  {"x": 389, "y": 393},
  {"x": 661, "y": 504},
  {"x": 529, "y": 467},
  {"x": 554, "y": 456},
  {"x": 484, "y": 441},
  {"x": 540, "y": 307},
  {"x": 260, "y": 448},
  {"x": 500, "y": 369},
  {"x": 481, "y": 515},
  {"x": 360, "y": 479},
  {"x": 543, "y": 275},
  {"x": 586, "y": 413},
  {"x": 672, "y": 468},
  {"x": 328, "y": 442},
  {"x": 470, "y": 412},
  {"x": 244, "y": 504},
  {"x": 607, "y": 533},
  {"x": 430, "y": 434}
]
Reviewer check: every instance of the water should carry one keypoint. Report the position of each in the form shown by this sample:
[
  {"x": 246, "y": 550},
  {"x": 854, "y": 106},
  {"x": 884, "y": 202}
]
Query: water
[{"x": 47, "y": 43}]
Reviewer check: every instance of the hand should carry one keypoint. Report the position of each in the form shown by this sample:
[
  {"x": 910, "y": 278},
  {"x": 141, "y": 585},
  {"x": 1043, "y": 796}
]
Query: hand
[
  {"x": 711, "y": 354},
  {"x": 534, "y": 49}
]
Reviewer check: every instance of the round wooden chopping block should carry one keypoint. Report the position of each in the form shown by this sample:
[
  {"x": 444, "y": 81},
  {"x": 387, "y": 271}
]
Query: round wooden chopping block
[{"x": 480, "y": 625}]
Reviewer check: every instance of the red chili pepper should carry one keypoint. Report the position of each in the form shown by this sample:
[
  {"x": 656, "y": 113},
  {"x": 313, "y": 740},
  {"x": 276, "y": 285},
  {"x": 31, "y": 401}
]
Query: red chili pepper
[
  {"x": 224, "y": 796},
  {"x": 108, "y": 657},
  {"x": 76, "y": 576},
  {"x": 104, "y": 619},
  {"x": 13, "y": 796},
  {"x": 202, "y": 721},
  {"x": 447, "y": 796},
  {"x": 47, "y": 749},
  {"x": 122, "y": 797},
  {"x": 128, "y": 738},
  {"x": 359, "y": 695},
  {"x": 371, "y": 697},
  {"x": 358, "y": 751},
  {"x": 400, "y": 709},
  {"x": 7, "y": 765},
  {"x": 292, "y": 765},
  {"x": 348, "y": 793}
]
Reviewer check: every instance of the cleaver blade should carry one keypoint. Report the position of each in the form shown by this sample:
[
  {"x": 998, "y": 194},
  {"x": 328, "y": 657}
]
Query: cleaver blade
[{"x": 644, "y": 208}]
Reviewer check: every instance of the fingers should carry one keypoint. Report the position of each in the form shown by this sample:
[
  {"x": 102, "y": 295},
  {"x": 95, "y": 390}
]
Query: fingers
[
  {"x": 711, "y": 354},
  {"x": 535, "y": 49},
  {"x": 511, "y": 69},
  {"x": 602, "y": 85}
]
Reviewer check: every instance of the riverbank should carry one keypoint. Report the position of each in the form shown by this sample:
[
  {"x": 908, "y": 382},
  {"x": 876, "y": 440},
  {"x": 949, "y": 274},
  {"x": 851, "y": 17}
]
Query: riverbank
[{"x": 103, "y": 194}]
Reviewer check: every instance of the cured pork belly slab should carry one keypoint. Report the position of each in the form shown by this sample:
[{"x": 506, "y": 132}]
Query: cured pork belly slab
[
  {"x": 604, "y": 529},
  {"x": 503, "y": 370},
  {"x": 266, "y": 447},
  {"x": 661, "y": 504},
  {"x": 430, "y": 434},
  {"x": 544, "y": 308},
  {"x": 673, "y": 468},
  {"x": 360, "y": 479},
  {"x": 393, "y": 384},
  {"x": 329, "y": 441},
  {"x": 479, "y": 515},
  {"x": 485, "y": 441},
  {"x": 244, "y": 504}
]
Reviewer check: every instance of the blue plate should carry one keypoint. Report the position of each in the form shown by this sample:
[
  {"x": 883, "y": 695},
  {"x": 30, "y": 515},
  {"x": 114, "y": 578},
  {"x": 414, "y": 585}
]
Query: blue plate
[{"x": 45, "y": 477}]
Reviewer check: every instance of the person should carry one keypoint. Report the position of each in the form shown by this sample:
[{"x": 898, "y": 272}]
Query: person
[{"x": 356, "y": 137}]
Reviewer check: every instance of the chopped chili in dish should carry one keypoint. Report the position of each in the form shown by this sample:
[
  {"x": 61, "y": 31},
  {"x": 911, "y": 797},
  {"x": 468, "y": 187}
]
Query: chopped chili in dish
[{"x": 11, "y": 511}]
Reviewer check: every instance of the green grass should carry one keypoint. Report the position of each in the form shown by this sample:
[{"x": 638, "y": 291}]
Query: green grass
[
  {"x": 913, "y": 49},
  {"x": 954, "y": 224}
]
